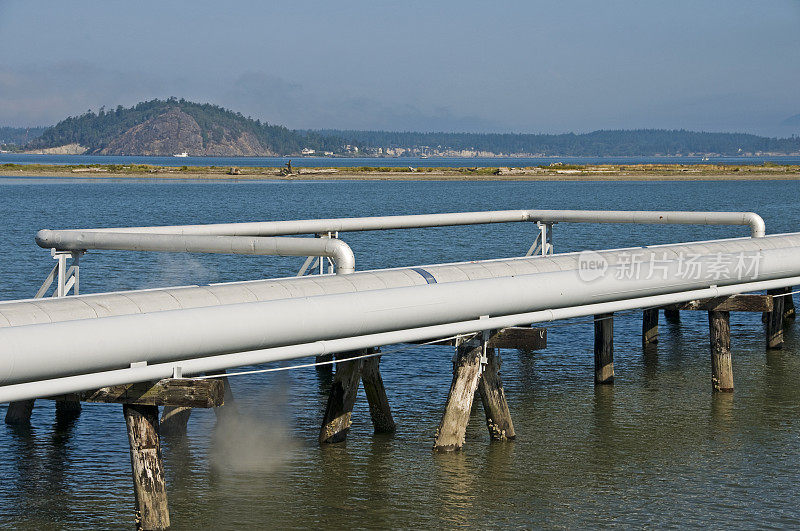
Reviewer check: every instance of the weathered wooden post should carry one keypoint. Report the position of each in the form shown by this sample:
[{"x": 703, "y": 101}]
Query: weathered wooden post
[
  {"x": 327, "y": 367},
  {"x": 140, "y": 403},
  {"x": 493, "y": 397},
  {"x": 649, "y": 326},
  {"x": 774, "y": 320},
  {"x": 719, "y": 329},
  {"x": 228, "y": 405},
  {"x": 672, "y": 316},
  {"x": 788, "y": 305},
  {"x": 466, "y": 373},
  {"x": 67, "y": 410},
  {"x": 476, "y": 366},
  {"x": 174, "y": 420},
  {"x": 604, "y": 348},
  {"x": 379, "y": 409},
  {"x": 344, "y": 388},
  {"x": 19, "y": 413},
  {"x": 149, "y": 484}
]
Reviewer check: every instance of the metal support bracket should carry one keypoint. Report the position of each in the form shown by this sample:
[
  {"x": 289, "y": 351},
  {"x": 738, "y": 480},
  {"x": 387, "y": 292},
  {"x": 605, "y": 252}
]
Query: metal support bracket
[
  {"x": 544, "y": 240},
  {"x": 318, "y": 262},
  {"x": 66, "y": 278},
  {"x": 485, "y": 335}
]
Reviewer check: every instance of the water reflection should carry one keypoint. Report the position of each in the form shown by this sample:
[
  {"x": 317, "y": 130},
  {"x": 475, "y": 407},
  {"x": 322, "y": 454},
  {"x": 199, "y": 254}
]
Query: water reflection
[
  {"x": 723, "y": 419},
  {"x": 455, "y": 484}
]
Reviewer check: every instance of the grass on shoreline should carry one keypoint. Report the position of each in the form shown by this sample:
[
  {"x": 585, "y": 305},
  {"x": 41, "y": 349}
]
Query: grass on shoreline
[{"x": 557, "y": 170}]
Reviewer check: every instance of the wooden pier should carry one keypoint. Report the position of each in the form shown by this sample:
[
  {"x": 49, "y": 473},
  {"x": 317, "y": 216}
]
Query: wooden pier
[{"x": 476, "y": 369}]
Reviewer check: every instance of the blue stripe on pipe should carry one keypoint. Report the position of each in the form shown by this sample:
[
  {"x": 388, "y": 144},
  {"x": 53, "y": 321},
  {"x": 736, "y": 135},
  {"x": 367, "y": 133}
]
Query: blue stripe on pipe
[{"x": 427, "y": 276}]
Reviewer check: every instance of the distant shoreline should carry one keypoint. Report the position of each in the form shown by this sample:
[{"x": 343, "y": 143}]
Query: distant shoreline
[{"x": 563, "y": 172}]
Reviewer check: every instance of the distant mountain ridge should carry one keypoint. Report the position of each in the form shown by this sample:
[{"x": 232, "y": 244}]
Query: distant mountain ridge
[
  {"x": 169, "y": 127},
  {"x": 173, "y": 126},
  {"x": 792, "y": 120}
]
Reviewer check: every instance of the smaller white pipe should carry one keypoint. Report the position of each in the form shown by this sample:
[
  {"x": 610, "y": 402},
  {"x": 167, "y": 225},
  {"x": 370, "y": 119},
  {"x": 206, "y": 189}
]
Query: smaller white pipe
[
  {"x": 336, "y": 249},
  {"x": 85, "y": 382},
  {"x": 753, "y": 220},
  {"x": 315, "y": 226}
]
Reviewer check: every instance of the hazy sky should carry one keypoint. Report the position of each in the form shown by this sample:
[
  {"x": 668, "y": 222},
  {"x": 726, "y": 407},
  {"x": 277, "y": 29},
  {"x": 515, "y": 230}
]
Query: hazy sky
[{"x": 454, "y": 65}]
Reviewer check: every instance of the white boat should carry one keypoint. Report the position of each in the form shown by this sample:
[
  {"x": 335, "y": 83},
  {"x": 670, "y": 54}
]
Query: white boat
[{"x": 184, "y": 154}]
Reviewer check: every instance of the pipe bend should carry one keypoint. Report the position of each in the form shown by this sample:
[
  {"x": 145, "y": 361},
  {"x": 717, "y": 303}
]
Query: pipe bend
[
  {"x": 757, "y": 227},
  {"x": 342, "y": 256}
]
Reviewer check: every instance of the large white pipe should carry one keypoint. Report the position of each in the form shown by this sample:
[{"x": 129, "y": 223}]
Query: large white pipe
[
  {"x": 336, "y": 249},
  {"x": 85, "y": 382},
  {"x": 15, "y": 313},
  {"x": 317, "y": 226},
  {"x": 42, "y": 351}
]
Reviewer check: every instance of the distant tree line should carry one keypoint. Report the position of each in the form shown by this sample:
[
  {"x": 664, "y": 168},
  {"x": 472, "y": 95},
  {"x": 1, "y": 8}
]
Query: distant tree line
[
  {"x": 96, "y": 130},
  {"x": 18, "y": 136},
  {"x": 636, "y": 142}
]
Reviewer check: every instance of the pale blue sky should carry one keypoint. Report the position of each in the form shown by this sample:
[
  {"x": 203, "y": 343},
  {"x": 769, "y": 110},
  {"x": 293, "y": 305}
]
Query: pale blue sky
[{"x": 455, "y": 65}]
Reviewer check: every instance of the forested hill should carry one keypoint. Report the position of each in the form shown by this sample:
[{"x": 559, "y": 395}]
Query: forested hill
[
  {"x": 637, "y": 142},
  {"x": 168, "y": 127}
]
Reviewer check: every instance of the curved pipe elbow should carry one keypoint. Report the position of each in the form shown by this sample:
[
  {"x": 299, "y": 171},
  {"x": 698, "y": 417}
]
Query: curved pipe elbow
[
  {"x": 757, "y": 227},
  {"x": 342, "y": 256}
]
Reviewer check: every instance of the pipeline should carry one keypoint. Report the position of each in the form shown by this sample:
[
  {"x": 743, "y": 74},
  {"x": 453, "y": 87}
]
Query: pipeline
[
  {"x": 318, "y": 226},
  {"x": 42, "y": 351},
  {"x": 189, "y": 367},
  {"x": 63, "y": 240},
  {"x": 14, "y": 313}
]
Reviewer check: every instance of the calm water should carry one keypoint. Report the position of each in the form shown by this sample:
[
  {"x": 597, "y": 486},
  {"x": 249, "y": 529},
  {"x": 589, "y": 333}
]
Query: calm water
[
  {"x": 438, "y": 162},
  {"x": 655, "y": 449}
]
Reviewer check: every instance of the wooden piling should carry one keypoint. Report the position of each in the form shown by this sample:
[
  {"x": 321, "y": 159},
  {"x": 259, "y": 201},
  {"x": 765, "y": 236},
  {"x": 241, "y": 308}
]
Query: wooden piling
[
  {"x": 604, "y": 348},
  {"x": 466, "y": 373},
  {"x": 493, "y": 397},
  {"x": 19, "y": 413},
  {"x": 649, "y": 326},
  {"x": 719, "y": 329},
  {"x": 149, "y": 484},
  {"x": 174, "y": 420},
  {"x": 328, "y": 367},
  {"x": 140, "y": 403},
  {"x": 788, "y": 305},
  {"x": 67, "y": 410},
  {"x": 672, "y": 316},
  {"x": 229, "y": 404},
  {"x": 774, "y": 321},
  {"x": 379, "y": 409},
  {"x": 338, "y": 411}
]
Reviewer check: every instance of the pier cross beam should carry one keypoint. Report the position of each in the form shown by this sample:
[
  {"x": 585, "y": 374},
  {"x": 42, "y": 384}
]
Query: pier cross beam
[{"x": 175, "y": 419}]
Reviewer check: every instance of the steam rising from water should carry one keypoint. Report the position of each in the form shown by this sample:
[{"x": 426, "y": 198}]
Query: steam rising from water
[{"x": 243, "y": 442}]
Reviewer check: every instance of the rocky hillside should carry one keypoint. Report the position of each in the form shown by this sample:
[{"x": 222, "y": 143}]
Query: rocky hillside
[
  {"x": 174, "y": 131},
  {"x": 164, "y": 128}
]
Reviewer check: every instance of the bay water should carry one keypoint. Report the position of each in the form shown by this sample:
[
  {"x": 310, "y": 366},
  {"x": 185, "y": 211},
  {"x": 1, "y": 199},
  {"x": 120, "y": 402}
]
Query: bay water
[{"x": 655, "y": 449}]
